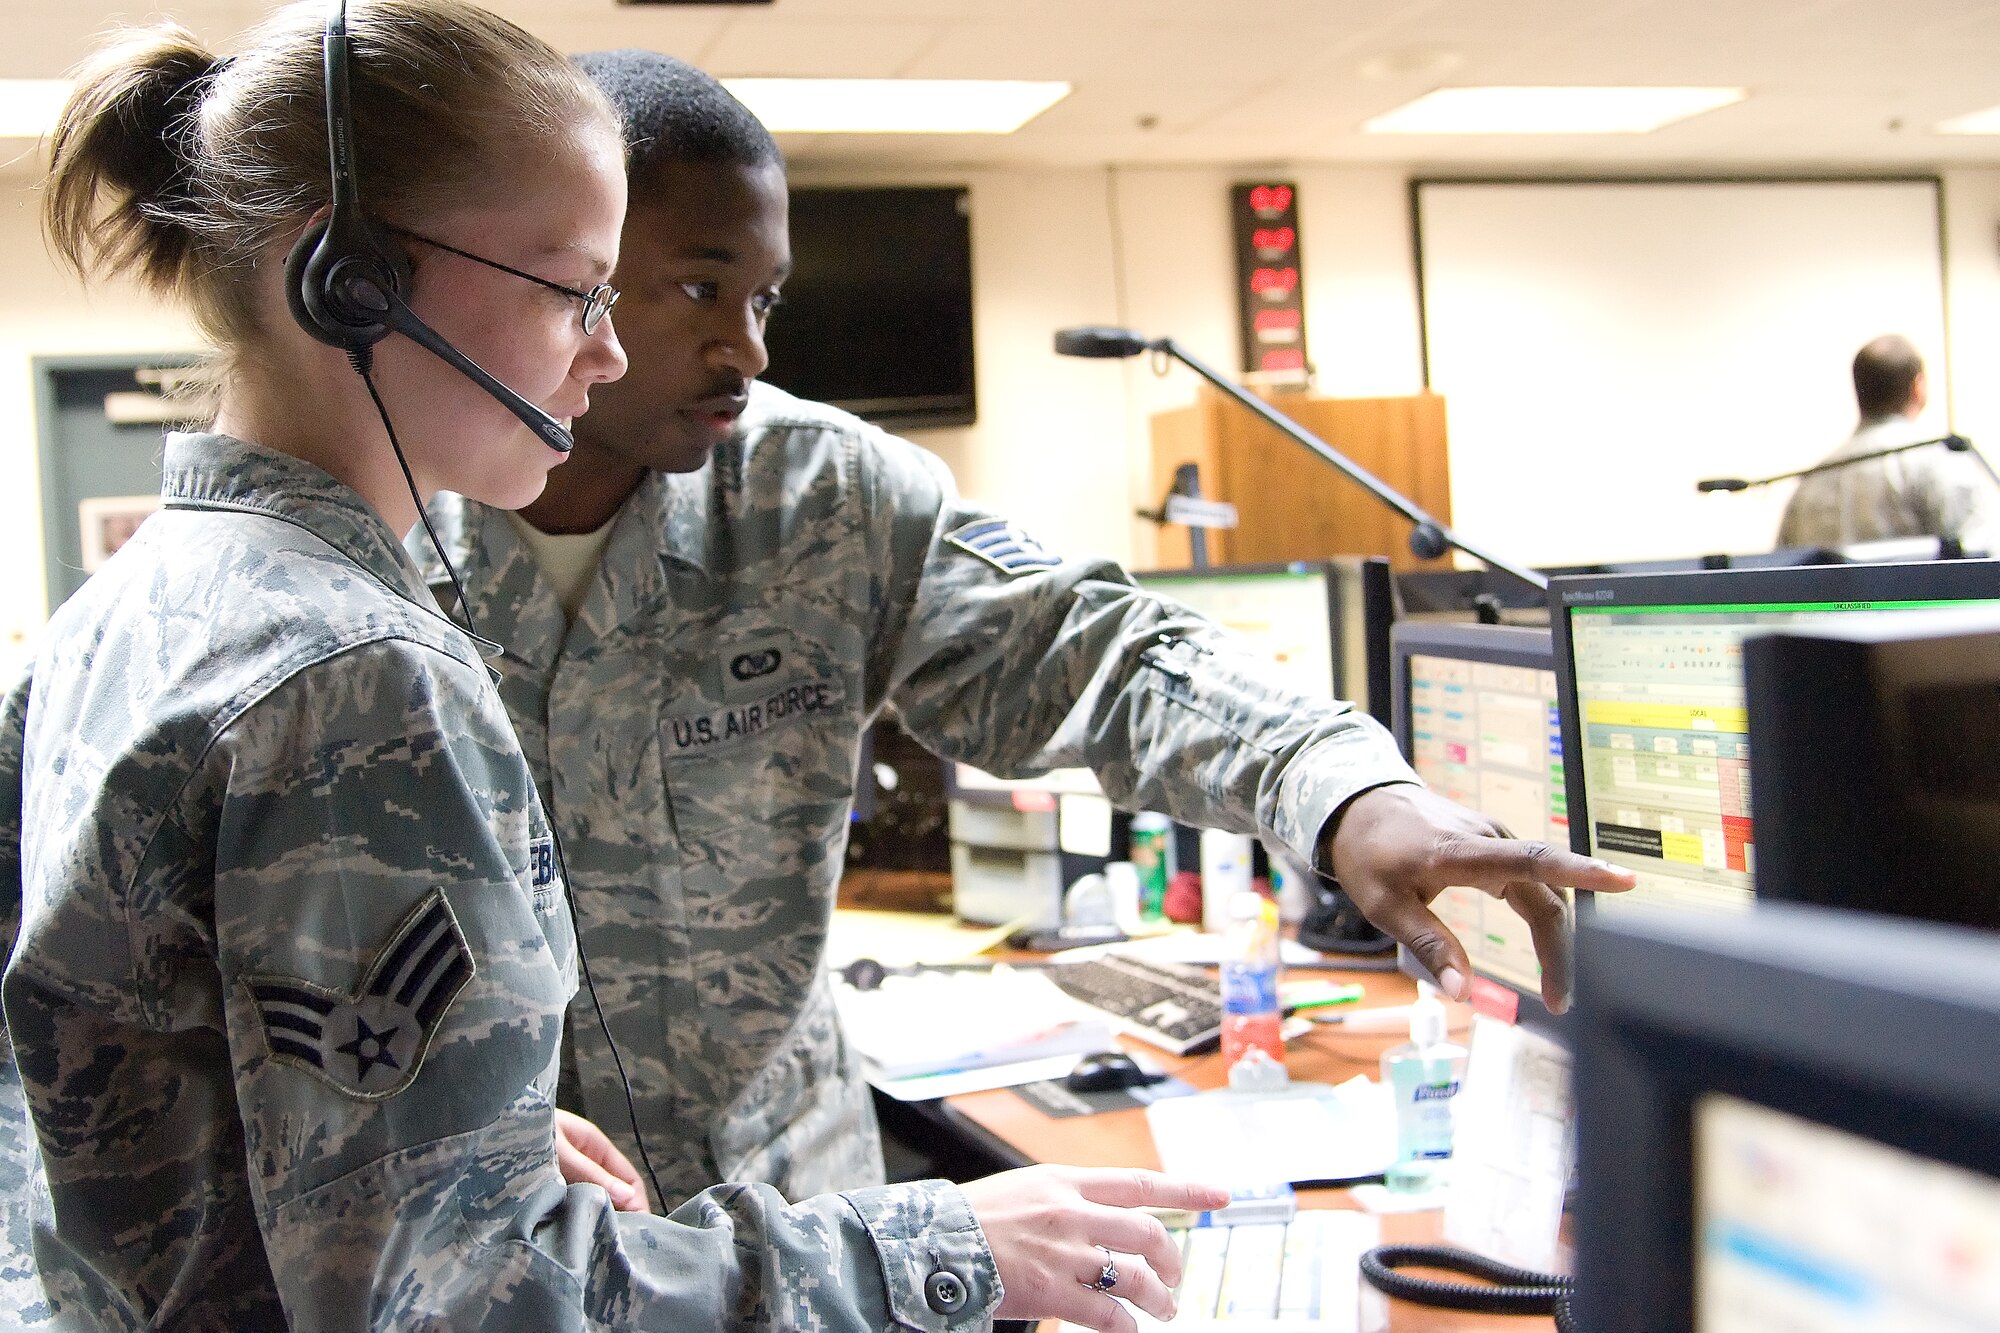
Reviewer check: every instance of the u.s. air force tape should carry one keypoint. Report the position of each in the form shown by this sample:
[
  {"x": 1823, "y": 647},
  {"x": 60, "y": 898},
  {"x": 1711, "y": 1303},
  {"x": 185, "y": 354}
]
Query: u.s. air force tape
[
  {"x": 370, "y": 1044},
  {"x": 1003, "y": 545},
  {"x": 691, "y": 733}
]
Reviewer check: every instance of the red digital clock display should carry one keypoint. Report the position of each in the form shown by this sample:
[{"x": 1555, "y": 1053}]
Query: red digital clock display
[{"x": 1270, "y": 281}]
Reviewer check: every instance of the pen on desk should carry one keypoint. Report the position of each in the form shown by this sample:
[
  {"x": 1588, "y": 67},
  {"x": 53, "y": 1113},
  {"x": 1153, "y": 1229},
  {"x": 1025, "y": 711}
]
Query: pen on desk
[
  {"x": 1319, "y": 996},
  {"x": 1342, "y": 963}
]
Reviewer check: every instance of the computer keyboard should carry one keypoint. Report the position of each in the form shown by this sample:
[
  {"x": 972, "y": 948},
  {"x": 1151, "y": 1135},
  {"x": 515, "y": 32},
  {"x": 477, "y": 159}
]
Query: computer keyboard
[
  {"x": 1302, "y": 1276},
  {"x": 1173, "y": 1006}
]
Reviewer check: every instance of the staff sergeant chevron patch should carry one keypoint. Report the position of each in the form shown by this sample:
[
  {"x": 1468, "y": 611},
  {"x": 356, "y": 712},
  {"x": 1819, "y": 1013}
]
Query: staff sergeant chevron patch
[
  {"x": 1001, "y": 544},
  {"x": 370, "y": 1045}
]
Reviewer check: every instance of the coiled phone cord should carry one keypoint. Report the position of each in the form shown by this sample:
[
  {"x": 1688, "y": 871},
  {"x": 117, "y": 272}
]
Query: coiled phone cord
[{"x": 1502, "y": 1289}]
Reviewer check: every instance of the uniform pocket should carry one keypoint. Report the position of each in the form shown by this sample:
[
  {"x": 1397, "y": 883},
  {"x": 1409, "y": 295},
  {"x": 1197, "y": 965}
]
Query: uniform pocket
[{"x": 765, "y": 742}]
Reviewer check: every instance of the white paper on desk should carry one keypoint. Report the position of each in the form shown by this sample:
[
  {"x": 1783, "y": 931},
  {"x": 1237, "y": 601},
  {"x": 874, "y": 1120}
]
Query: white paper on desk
[
  {"x": 1510, "y": 1147},
  {"x": 946, "y": 1022},
  {"x": 924, "y": 1087},
  {"x": 1312, "y": 1132}
]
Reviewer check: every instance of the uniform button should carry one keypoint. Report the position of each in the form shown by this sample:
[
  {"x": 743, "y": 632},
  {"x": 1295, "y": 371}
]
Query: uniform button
[{"x": 945, "y": 1292}]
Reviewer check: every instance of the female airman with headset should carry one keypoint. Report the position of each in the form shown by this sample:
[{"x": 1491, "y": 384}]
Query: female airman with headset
[{"x": 295, "y": 947}]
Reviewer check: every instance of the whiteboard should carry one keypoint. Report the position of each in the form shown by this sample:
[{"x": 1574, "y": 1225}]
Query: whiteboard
[{"x": 1601, "y": 346}]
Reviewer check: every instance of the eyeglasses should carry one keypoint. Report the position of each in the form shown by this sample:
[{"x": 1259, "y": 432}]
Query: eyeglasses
[{"x": 597, "y": 302}]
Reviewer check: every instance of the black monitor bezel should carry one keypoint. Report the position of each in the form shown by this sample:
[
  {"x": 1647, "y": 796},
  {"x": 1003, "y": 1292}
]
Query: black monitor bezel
[
  {"x": 1886, "y": 1029},
  {"x": 1501, "y": 645},
  {"x": 1950, "y": 580}
]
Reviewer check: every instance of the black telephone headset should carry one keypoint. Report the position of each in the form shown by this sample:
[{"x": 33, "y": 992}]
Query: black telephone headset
[{"x": 345, "y": 279}]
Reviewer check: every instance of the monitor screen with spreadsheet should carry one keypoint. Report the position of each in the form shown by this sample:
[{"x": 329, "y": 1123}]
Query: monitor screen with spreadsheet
[
  {"x": 1786, "y": 1119},
  {"x": 1650, "y": 672},
  {"x": 1475, "y": 714}
]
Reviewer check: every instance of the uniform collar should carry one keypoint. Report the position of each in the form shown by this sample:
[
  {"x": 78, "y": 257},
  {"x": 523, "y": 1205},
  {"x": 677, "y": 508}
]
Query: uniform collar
[
  {"x": 1884, "y": 432},
  {"x": 679, "y": 511},
  {"x": 222, "y": 472},
  {"x": 513, "y": 606},
  {"x": 665, "y": 519},
  {"x": 630, "y": 578}
]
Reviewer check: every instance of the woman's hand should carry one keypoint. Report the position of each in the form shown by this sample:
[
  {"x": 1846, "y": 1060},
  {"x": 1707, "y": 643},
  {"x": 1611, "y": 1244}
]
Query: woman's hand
[
  {"x": 585, "y": 1155},
  {"x": 1054, "y": 1229}
]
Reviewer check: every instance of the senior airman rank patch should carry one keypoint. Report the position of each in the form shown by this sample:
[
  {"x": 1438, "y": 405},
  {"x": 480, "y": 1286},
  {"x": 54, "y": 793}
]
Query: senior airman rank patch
[
  {"x": 371, "y": 1044},
  {"x": 1001, "y": 544}
]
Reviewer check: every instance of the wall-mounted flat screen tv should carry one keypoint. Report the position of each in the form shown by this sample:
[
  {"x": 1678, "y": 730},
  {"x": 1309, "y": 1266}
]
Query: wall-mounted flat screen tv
[{"x": 877, "y": 316}]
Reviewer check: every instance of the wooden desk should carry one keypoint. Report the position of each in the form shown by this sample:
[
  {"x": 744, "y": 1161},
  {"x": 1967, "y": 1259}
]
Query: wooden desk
[{"x": 1121, "y": 1138}]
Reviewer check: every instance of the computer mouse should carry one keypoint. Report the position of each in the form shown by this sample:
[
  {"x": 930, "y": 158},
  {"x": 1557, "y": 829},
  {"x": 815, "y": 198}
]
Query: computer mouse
[{"x": 1105, "y": 1071}]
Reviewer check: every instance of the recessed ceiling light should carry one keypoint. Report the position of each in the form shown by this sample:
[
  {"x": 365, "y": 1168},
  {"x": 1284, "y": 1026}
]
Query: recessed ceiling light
[
  {"x": 1550, "y": 110},
  {"x": 895, "y": 106},
  {"x": 29, "y": 107},
  {"x": 1972, "y": 122}
]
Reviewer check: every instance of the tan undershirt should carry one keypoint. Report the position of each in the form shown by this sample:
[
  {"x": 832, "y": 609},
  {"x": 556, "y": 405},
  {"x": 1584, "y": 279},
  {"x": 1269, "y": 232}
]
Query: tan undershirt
[{"x": 567, "y": 560}]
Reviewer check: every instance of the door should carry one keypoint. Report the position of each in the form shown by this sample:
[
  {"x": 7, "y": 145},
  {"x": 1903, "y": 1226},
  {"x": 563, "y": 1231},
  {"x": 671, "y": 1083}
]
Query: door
[{"x": 101, "y": 423}]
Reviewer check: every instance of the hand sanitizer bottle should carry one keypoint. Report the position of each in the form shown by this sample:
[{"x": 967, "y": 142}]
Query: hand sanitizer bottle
[{"x": 1423, "y": 1075}]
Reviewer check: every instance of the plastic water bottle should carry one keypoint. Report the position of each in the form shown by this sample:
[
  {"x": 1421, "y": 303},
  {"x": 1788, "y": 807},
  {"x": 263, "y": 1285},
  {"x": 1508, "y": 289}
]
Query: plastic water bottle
[{"x": 1252, "y": 1045}]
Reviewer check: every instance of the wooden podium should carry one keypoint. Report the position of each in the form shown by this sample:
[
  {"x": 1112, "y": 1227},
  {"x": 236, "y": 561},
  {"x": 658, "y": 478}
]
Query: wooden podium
[{"x": 1291, "y": 504}]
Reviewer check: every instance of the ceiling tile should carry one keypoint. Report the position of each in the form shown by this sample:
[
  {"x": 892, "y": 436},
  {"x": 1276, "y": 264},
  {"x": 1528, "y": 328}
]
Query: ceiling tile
[
  {"x": 1255, "y": 80},
  {"x": 769, "y": 44}
]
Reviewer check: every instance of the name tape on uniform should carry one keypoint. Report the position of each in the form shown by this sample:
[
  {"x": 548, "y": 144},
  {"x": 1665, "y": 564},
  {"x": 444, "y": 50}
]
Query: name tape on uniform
[{"x": 693, "y": 733}]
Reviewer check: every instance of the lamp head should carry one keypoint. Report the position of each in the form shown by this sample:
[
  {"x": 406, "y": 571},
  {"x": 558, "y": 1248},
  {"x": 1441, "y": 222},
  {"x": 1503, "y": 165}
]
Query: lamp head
[{"x": 1101, "y": 341}]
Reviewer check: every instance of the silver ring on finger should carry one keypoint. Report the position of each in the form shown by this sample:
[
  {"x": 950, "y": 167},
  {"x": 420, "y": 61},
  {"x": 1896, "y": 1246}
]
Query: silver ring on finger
[{"x": 1107, "y": 1278}]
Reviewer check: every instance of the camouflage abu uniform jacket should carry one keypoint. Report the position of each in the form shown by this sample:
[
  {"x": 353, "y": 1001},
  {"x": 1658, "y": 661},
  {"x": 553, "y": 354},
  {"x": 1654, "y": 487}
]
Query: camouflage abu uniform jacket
[
  {"x": 292, "y": 967},
  {"x": 1929, "y": 492},
  {"x": 694, "y": 736}
]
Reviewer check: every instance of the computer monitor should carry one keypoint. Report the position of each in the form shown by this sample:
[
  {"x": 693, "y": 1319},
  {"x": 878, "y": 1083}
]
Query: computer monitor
[
  {"x": 1475, "y": 714},
  {"x": 1649, "y": 670},
  {"x": 1323, "y": 623},
  {"x": 1878, "y": 765},
  {"x": 1787, "y": 1119}
]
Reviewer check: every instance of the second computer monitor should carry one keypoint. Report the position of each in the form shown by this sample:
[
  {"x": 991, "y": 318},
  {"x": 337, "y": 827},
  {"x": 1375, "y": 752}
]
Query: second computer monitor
[
  {"x": 1323, "y": 623},
  {"x": 1650, "y": 673},
  {"x": 1786, "y": 1120},
  {"x": 1878, "y": 759},
  {"x": 1475, "y": 714}
]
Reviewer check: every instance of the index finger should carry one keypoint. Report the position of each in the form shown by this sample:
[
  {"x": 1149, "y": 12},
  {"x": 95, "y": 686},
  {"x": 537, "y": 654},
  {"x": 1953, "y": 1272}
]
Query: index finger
[
  {"x": 1138, "y": 1188},
  {"x": 1494, "y": 863}
]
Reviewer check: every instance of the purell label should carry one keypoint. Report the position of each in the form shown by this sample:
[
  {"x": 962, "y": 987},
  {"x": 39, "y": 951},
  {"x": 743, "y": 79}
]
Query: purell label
[{"x": 1436, "y": 1092}]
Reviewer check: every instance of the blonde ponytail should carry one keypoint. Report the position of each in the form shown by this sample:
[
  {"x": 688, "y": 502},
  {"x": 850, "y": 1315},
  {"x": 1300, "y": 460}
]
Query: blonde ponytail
[{"x": 122, "y": 189}]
